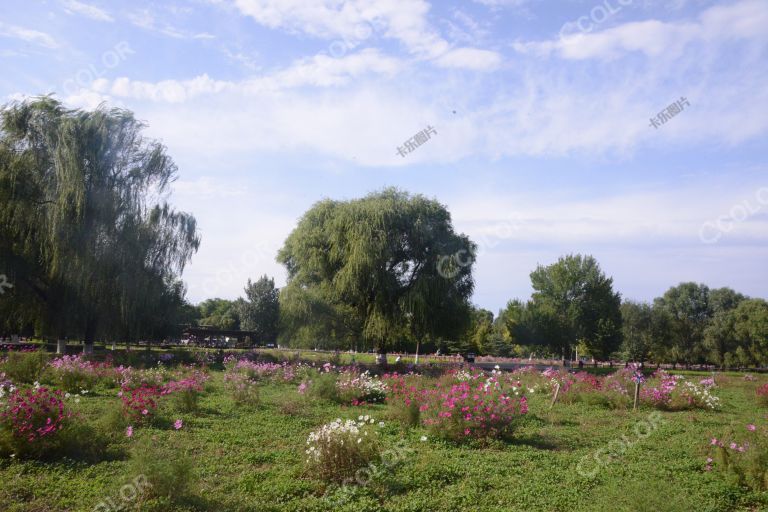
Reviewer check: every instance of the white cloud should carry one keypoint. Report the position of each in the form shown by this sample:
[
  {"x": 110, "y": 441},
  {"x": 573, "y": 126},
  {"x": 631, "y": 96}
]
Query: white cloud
[
  {"x": 319, "y": 71},
  {"x": 352, "y": 20},
  {"x": 470, "y": 58},
  {"x": 87, "y": 10},
  {"x": 145, "y": 19},
  {"x": 745, "y": 20},
  {"x": 28, "y": 35}
]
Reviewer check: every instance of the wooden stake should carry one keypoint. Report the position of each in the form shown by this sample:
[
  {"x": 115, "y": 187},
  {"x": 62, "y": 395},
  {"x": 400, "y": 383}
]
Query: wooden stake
[
  {"x": 557, "y": 392},
  {"x": 637, "y": 394}
]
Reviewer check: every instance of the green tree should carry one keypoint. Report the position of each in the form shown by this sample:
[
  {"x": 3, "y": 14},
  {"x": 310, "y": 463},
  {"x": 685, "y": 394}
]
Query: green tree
[
  {"x": 724, "y": 299},
  {"x": 689, "y": 312},
  {"x": 220, "y": 313},
  {"x": 637, "y": 330},
  {"x": 377, "y": 267},
  {"x": 91, "y": 249},
  {"x": 480, "y": 331},
  {"x": 751, "y": 329},
  {"x": 574, "y": 301},
  {"x": 720, "y": 337},
  {"x": 260, "y": 311}
]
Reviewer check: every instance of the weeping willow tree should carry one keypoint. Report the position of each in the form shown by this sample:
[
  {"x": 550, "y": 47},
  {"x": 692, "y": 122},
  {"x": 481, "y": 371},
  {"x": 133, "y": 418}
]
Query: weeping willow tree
[
  {"x": 370, "y": 269},
  {"x": 86, "y": 234}
]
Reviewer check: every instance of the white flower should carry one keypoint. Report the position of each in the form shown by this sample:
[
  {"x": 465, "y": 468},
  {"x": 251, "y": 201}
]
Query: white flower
[
  {"x": 423, "y": 438},
  {"x": 381, "y": 424}
]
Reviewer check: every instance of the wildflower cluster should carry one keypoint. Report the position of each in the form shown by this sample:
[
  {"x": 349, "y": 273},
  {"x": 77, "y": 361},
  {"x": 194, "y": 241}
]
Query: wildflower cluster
[
  {"x": 130, "y": 378},
  {"x": 667, "y": 391},
  {"x": 6, "y": 387},
  {"x": 74, "y": 373},
  {"x": 340, "y": 448},
  {"x": 140, "y": 402},
  {"x": 243, "y": 389},
  {"x": 472, "y": 410},
  {"x": 360, "y": 388},
  {"x": 263, "y": 370},
  {"x": 741, "y": 456},
  {"x": 34, "y": 413}
]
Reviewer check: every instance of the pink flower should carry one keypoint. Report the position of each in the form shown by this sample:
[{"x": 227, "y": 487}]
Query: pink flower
[
  {"x": 751, "y": 427},
  {"x": 714, "y": 442},
  {"x": 129, "y": 432},
  {"x": 178, "y": 424},
  {"x": 733, "y": 446}
]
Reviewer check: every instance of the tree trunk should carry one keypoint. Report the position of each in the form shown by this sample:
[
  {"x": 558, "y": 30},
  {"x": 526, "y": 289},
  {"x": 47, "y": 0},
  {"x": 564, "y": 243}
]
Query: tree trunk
[
  {"x": 90, "y": 334},
  {"x": 61, "y": 346}
]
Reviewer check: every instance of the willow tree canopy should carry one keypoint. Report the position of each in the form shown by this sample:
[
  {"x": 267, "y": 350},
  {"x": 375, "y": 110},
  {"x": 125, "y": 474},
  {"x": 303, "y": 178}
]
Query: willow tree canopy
[
  {"x": 371, "y": 268},
  {"x": 86, "y": 234}
]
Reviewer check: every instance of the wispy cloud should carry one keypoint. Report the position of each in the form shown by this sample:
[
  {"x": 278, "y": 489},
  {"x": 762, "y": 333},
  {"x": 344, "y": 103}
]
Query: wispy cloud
[
  {"x": 28, "y": 35},
  {"x": 87, "y": 10},
  {"x": 744, "y": 20}
]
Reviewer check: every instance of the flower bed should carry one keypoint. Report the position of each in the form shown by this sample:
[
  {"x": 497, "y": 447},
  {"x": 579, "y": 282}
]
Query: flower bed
[{"x": 476, "y": 409}]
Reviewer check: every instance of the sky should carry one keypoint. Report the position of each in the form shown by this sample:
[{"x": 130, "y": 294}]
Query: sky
[{"x": 632, "y": 130}]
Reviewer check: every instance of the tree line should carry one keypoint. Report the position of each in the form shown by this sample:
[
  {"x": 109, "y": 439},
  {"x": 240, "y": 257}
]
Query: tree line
[{"x": 94, "y": 250}]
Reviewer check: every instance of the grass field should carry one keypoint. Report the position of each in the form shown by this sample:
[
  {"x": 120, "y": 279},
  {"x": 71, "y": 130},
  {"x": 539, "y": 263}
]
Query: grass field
[{"x": 252, "y": 459}]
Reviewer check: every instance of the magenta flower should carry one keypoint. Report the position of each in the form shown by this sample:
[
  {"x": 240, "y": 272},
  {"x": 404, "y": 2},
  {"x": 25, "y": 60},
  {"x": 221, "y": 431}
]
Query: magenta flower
[
  {"x": 751, "y": 427},
  {"x": 714, "y": 442},
  {"x": 178, "y": 424},
  {"x": 129, "y": 432}
]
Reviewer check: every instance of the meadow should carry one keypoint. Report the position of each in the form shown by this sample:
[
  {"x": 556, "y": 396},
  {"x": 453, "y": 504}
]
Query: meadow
[{"x": 164, "y": 432}]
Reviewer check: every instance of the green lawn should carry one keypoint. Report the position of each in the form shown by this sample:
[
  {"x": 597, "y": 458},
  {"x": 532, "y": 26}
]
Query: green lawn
[{"x": 252, "y": 459}]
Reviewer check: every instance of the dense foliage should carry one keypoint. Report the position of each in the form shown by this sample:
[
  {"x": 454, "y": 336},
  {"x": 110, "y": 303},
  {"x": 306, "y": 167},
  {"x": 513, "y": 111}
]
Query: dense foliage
[{"x": 86, "y": 235}]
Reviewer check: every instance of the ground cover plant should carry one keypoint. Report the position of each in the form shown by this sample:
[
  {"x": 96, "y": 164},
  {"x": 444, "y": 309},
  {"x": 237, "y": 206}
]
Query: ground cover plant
[{"x": 458, "y": 439}]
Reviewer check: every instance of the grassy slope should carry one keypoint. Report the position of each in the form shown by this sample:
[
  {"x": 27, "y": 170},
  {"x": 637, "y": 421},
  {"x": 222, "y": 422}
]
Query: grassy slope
[{"x": 251, "y": 459}]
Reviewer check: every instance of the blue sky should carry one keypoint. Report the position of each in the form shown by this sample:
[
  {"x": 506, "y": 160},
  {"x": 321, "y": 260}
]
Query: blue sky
[{"x": 543, "y": 110}]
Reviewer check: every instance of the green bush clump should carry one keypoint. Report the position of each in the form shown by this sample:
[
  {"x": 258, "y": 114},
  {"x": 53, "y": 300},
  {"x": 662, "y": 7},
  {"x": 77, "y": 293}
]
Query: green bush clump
[
  {"x": 25, "y": 367},
  {"x": 167, "y": 468}
]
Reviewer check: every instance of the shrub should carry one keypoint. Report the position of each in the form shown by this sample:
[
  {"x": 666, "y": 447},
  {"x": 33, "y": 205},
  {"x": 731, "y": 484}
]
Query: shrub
[
  {"x": 25, "y": 367},
  {"x": 338, "y": 450},
  {"x": 74, "y": 373},
  {"x": 323, "y": 385},
  {"x": 167, "y": 468},
  {"x": 744, "y": 462},
  {"x": 244, "y": 390},
  {"x": 762, "y": 395},
  {"x": 186, "y": 391},
  {"x": 404, "y": 397},
  {"x": 30, "y": 421}
]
